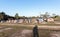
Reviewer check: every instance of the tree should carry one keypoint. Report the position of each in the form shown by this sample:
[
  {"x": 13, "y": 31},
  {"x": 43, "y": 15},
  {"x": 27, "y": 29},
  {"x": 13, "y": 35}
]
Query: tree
[
  {"x": 55, "y": 16},
  {"x": 16, "y": 16},
  {"x": 45, "y": 16},
  {"x": 3, "y": 13},
  {"x": 4, "y": 16},
  {"x": 1, "y": 16}
]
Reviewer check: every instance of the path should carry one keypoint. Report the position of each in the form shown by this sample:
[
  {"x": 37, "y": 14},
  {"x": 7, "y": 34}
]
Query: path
[{"x": 22, "y": 33}]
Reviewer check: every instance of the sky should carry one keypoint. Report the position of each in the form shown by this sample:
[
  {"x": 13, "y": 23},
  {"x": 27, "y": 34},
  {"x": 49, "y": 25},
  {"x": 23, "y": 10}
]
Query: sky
[{"x": 30, "y": 7}]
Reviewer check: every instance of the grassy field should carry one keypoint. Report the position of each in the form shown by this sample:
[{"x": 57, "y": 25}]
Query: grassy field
[
  {"x": 9, "y": 32},
  {"x": 14, "y": 29},
  {"x": 41, "y": 24}
]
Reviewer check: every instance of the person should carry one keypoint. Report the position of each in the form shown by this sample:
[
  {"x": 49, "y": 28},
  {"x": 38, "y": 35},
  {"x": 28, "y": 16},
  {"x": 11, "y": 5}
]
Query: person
[{"x": 35, "y": 31}]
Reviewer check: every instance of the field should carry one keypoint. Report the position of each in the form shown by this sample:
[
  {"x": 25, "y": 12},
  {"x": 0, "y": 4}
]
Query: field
[
  {"x": 23, "y": 31},
  {"x": 8, "y": 31}
]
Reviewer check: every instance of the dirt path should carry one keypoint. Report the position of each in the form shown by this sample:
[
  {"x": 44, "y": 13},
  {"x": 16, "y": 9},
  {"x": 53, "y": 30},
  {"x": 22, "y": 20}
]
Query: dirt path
[{"x": 22, "y": 33}]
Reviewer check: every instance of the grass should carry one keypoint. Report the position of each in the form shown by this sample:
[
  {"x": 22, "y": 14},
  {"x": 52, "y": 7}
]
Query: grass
[
  {"x": 7, "y": 33},
  {"x": 41, "y": 24},
  {"x": 44, "y": 33}
]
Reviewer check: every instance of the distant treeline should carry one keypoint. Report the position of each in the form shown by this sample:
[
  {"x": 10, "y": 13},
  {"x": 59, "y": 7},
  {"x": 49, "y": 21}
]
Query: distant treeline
[{"x": 4, "y": 16}]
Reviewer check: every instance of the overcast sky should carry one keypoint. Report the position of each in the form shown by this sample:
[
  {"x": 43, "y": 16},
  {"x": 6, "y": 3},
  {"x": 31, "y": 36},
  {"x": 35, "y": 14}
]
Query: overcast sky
[{"x": 30, "y": 7}]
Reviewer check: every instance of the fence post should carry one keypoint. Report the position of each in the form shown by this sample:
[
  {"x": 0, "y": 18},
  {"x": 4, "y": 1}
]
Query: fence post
[{"x": 35, "y": 31}]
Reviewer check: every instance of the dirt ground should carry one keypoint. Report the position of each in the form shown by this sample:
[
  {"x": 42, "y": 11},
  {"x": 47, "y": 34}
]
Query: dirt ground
[{"x": 22, "y": 33}]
